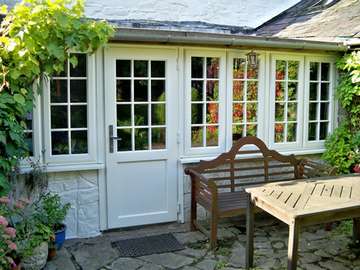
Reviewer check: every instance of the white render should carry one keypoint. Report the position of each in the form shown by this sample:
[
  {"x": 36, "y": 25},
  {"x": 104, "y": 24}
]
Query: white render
[
  {"x": 81, "y": 190},
  {"x": 226, "y": 12}
]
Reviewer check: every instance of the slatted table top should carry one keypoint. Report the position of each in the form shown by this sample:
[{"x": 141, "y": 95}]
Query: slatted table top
[{"x": 302, "y": 198}]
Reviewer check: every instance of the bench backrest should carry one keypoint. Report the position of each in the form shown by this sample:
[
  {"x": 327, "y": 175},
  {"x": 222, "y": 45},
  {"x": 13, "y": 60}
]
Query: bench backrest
[{"x": 230, "y": 171}]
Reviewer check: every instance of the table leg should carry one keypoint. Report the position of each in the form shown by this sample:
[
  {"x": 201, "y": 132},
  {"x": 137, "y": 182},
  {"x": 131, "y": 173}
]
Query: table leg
[
  {"x": 249, "y": 234},
  {"x": 293, "y": 245},
  {"x": 356, "y": 229}
]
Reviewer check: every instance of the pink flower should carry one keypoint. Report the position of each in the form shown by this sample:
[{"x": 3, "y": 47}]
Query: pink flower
[
  {"x": 4, "y": 200},
  {"x": 11, "y": 245},
  {"x": 19, "y": 205},
  {"x": 10, "y": 231},
  {"x": 3, "y": 221}
]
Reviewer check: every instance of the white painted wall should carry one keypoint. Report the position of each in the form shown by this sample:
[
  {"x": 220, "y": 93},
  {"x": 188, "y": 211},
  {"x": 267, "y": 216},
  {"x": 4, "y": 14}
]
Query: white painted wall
[{"x": 250, "y": 13}]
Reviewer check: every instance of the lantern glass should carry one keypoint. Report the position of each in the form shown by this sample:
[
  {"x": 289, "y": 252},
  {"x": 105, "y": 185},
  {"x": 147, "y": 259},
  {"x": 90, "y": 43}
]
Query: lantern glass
[{"x": 252, "y": 58}]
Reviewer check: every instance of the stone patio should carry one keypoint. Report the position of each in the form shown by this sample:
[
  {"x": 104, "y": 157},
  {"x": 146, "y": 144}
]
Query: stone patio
[{"x": 318, "y": 249}]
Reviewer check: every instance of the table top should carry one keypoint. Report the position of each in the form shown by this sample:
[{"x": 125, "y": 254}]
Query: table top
[{"x": 288, "y": 200}]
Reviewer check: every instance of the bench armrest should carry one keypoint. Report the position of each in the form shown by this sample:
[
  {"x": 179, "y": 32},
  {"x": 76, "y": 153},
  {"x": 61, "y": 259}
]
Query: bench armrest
[
  {"x": 196, "y": 175},
  {"x": 312, "y": 168}
]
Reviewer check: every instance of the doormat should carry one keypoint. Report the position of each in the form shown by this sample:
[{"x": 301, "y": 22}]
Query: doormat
[{"x": 136, "y": 247}]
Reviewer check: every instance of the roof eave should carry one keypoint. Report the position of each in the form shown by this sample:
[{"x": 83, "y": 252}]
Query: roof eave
[{"x": 199, "y": 38}]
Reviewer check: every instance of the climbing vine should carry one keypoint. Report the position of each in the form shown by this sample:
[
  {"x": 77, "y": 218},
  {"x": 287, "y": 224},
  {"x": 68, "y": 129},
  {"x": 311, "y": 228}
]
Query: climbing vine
[
  {"x": 343, "y": 146},
  {"x": 36, "y": 37}
]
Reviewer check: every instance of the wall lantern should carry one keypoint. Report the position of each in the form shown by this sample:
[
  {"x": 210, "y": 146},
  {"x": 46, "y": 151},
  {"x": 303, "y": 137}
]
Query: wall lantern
[{"x": 252, "y": 58}]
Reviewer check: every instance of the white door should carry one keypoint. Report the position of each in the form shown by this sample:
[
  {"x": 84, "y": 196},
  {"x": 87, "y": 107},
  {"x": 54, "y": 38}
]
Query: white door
[{"x": 141, "y": 117}]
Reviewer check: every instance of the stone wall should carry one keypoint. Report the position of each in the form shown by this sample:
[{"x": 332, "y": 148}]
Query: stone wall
[{"x": 80, "y": 189}]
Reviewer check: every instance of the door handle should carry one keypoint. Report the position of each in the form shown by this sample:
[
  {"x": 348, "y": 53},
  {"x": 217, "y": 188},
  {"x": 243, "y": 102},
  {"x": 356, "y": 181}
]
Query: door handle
[{"x": 112, "y": 138}]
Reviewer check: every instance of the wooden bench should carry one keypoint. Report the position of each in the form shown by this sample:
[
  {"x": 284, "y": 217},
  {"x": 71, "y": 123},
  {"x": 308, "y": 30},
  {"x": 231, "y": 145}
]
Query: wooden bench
[{"x": 218, "y": 185}]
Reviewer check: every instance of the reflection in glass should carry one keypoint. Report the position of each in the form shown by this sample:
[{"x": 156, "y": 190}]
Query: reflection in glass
[
  {"x": 158, "y": 138},
  {"x": 313, "y": 91},
  {"x": 239, "y": 68},
  {"x": 212, "y": 90},
  {"x": 158, "y": 114},
  {"x": 140, "y": 90},
  {"x": 313, "y": 111},
  {"x": 237, "y": 131},
  {"x": 325, "y": 91},
  {"x": 279, "y": 112},
  {"x": 78, "y": 91},
  {"x": 251, "y": 130},
  {"x": 141, "y": 115},
  {"x": 252, "y": 91},
  {"x": 251, "y": 112},
  {"x": 140, "y": 68},
  {"x": 79, "y": 144},
  {"x": 280, "y": 69},
  {"x": 158, "y": 69},
  {"x": 196, "y": 113},
  {"x": 59, "y": 142},
  {"x": 123, "y": 115},
  {"x": 252, "y": 72},
  {"x": 123, "y": 90},
  {"x": 78, "y": 116},
  {"x": 212, "y": 135},
  {"x": 291, "y": 132},
  {"x": 80, "y": 69},
  {"x": 141, "y": 138},
  {"x": 123, "y": 68},
  {"x": 293, "y": 70},
  {"x": 324, "y": 111},
  {"x": 212, "y": 67},
  {"x": 292, "y": 111},
  {"x": 59, "y": 117},
  {"x": 158, "y": 90},
  {"x": 312, "y": 131},
  {"x": 325, "y": 71},
  {"x": 197, "y": 136},
  {"x": 238, "y": 90},
  {"x": 58, "y": 91},
  {"x": 212, "y": 114},
  {"x": 197, "y": 66},
  {"x": 323, "y": 130},
  {"x": 314, "y": 69},
  {"x": 238, "y": 112},
  {"x": 280, "y": 91},
  {"x": 197, "y": 90},
  {"x": 279, "y": 133},
  {"x": 125, "y": 143},
  {"x": 292, "y": 90}
]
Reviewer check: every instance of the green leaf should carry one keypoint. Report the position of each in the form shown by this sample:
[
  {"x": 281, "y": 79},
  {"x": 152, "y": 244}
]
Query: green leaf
[{"x": 19, "y": 99}]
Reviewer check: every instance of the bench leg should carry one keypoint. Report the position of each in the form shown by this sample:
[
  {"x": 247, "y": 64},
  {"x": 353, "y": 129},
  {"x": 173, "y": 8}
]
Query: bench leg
[
  {"x": 193, "y": 214},
  {"x": 249, "y": 256},
  {"x": 213, "y": 230},
  {"x": 356, "y": 229},
  {"x": 294, "y": 229}
]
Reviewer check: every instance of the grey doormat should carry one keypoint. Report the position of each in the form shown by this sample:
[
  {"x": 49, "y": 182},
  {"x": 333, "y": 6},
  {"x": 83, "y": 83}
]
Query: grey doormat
[{"x": 136, "y": 247}]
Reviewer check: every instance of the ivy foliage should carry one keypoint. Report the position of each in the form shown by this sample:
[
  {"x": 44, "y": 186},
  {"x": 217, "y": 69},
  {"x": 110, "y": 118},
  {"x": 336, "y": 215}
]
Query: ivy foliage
[
  {"x": 343, "y": 146},
  {"x": 36, "y": 37}
]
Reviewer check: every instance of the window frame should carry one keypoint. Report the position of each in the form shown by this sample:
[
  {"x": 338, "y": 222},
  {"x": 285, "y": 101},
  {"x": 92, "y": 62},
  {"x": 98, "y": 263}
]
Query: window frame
[
  {"x": 261, "y": 130},
  {"x": 221, "y": 54},
  {"x": 319, "y": 144},
  {"x": 91, "y": 122},
  {"x": 298, "y": 144}
]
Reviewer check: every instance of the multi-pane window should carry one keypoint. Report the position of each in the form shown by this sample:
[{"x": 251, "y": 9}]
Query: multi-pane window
[
  {"x": 29, "y": 133},
  {"x": 244, "y": 99},
  {"x": 141, "y": 104},
  {"x": 204, "y": 101},
  {"x": 286, "y": 101},
  {"x": 69, "y": 110},
  {"x": 319, "y": 101}
]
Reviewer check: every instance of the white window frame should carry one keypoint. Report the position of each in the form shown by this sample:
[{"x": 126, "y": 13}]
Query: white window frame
[
  {"x": 261, "y": 97},
  {"x": 221, "y": 54},
  {"x": 319, "y": 144},
  {"x": 89, "y": 157},
  {"x": 300, "y": 106}
]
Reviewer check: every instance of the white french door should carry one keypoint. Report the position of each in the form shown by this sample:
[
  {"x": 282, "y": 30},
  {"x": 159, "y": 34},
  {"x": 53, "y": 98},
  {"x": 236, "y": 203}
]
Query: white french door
[{"x": 141, "y": 117}]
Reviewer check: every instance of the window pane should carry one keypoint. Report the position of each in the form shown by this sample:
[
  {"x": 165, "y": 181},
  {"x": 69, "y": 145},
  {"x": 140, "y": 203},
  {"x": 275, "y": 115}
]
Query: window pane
[
  {"x": 212, "y": 67},
  {"x": 78, "y": 116},
  {"x": 324, "y": 91},
  {"x": 29, "y": 120},
  {"x": 141, "y": 139},
  {"x": 212, "y": 90},
  {"x": 251, "y": 130},
  {"x": 80, "y": 69},
  {"x": 237, "y": 132},
  {"x": 313, "y": 111},
  {"x": 313, "y": 91},
  {"x": 238, "y": 90},
  {"x": 314, "y": 69},
  {"x": 59, "y": 117},
  {"x": 280, "y": 69},
  {"x": 141, "y": 115},
  {"x": 212, "y": 113},
  {"x": 323, "y": 130},
  {"x": 292, "y": 111},
  {"x": 197, "y": 136},
  {"x": 123, "y": 90},
  {"x": 58, "y": 90},
  {"x": 123, "y": 68},
  {"x": 312, "y": 131},
  {"x": 292, "y": 90},
  {"x": 140, "y": 90},
  {"x": 252, "y": 91},
  {"x": 252, "y": 72},
  {"x": 158, "y": 90},
  {"x": 324, "y": 111},
  {"x": 196, "y": 113},
  {"x": 279, "y": 133},
  {"x": 279, "y": 112},
  {"x": 140, "y": 68},
  {"x": 293, "y": 70},
  {"x": 251, "y": 112},
  {"x": 239, "y": 68},
  {"x": 79, "y": 143},
  {"x": 291, "y": 132},
  {"x": 238, "y": 113},
  {"x": 78, "y": 91},
  {"x": 158, "y": 114},
  {"x": 59, "y": 142},
  {"x": 197, "y": 90},
  {"x": 197, "y": 66},
  {"x": 280, "y": 91},
  {"x": 325, "y": 71},
  {"x": 212, "y": 135},
  {"x": 158, "y": 69},
  {"x": 123, "y": 115},
  {"x": 125, "y": 143},
  {"x": 158, "y": 138}
]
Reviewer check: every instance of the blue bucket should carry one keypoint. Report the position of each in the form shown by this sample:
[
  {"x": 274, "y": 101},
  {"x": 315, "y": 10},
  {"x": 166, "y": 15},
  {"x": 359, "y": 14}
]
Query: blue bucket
[{"x": 60, "y": 237}]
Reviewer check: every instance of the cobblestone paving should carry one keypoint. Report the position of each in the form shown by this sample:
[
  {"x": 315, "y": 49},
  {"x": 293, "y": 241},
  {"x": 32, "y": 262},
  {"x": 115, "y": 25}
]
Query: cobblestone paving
[{"x": 318, "y": 249}]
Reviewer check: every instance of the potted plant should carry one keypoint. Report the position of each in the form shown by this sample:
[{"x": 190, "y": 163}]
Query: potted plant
[{"x": 52, "y": 212}]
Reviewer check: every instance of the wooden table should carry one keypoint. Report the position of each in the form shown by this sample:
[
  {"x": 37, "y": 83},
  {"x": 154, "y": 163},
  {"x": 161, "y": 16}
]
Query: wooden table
[{"x": 301, "y": 203}]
